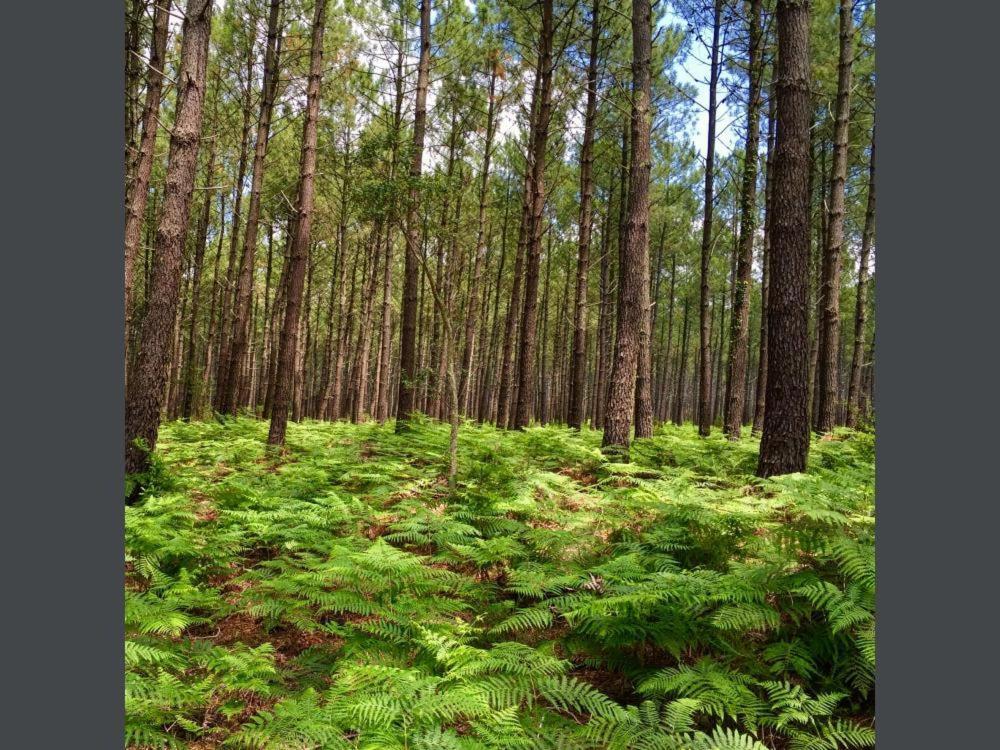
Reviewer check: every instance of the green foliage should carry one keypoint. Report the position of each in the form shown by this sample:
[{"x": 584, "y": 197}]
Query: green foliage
[{"x": 346, "y": 598}]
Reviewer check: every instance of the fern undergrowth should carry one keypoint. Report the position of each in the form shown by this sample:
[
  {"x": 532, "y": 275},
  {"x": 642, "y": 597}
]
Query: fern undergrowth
[{"x": 343, "y": 597}]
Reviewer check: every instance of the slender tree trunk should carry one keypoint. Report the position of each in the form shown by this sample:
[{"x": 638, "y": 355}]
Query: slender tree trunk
[
  {"x": 759, "y": 400},
  {"x": 829, "y": 342},
  {"x": 201, "y": 241},
  {"x": 739, "y": 337},
  {"x": 302, "y": 340},
  {"x": 526, "y": 356},
  {"x": 133, "y": 39},
  {"x": 331, "y": 394},
  {"x": 138, "y": 193},
  {"x": 407, "y": 357},
  {"x": 665, "y": 383},
  {"x": 488, "y": 401},
  {"x": 382, "y": 378},
  {"x": 604, "y": 324},
  {"x": 144, "y": 394},
  {"x": 277, "y": 315},
  {"x": 633, "y": 285},
  {"x": 206, "y": 385},
  {"x": 705, "y": 348},
  {"x": 817, "y": 287},
  {"x": 477, "y": 271},
  {"x": 229, "y": 382},
  {"x": 578, "y": 374},
  {"x": 360, "y": 408},
  {"x": 682, "y": 368},
  {"x": 861, "y": 305},
  {"x": 230, "y": 299},
  {"x": 504, "y": 397},
  {"x": 300, "y": 244},
  {"x": 784, "y": 445}
]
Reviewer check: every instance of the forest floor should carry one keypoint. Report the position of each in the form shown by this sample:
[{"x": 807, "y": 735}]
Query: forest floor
[{"x": 342, "y": 597}]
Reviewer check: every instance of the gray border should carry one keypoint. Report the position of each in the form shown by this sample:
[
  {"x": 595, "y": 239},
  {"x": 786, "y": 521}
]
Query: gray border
[
  {"x": 63, "y": 378},
  {"x": 937, "y": 268},
  {"x": 935, "y": 298}
]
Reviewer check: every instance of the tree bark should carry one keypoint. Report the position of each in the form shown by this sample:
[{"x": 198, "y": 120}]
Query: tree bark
[
  {"x": 578, "y": 374},
  {"x": 759, "y": 400},
  {"x": 229, "y": 382},
  {"x": 201, "y": 241},
  {"x": 633, "y": 284},
  {"x": 230, "y": 298},
  {"x": 861, "y": 304},
  {"x": 739, "y": 337},
  {"x": 526, "y": 356},
  {"x": 784, "y": 445},
  {"x": 477, "y": 271},
  {"x": 300, "y": 245},
  {"x": 705, "y": 348},
  {"x": 829, "y": 341},
  {"x": 411, "y": 271},
  {"x": 138, "y": 193},
  {"x": 145, "y": 390},
  {"x": 682, "y": 367}
]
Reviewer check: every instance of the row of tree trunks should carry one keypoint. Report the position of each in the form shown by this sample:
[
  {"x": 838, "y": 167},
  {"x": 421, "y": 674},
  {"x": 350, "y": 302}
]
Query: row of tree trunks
[
  {"x": 408, "y": 371},
  {"x": 300, "y": 244},
  {"x": 578, "y": 376},
  {"x": 739, "y": 336},
  {"x": 524, "y": 403},
  {"x": 705, "y": 348},
  {"x": 138, "y": 192},
  {"x": 145, "y": 389},
  {"x": 229, "y": 381},
  {"x": 829, "y": 331}
]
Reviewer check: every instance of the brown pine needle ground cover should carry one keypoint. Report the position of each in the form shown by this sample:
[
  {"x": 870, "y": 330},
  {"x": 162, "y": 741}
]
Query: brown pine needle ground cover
[{"x": 342, "y": 597}]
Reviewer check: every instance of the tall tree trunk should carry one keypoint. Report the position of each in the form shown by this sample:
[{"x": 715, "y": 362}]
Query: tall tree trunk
[
  {"x": 739, "y": 337},
  {"x": 302, "y": 341},
  {"x": 682, "y": 368},
  {"x": 144, "y": 394},
  {"x": 206, "y": 375},
  {"x": 408, "y": 336},
  {"x": 230, "y": 299},
  {"x": 201, "y": 241},
  {"x": 759, "y": 401},
  {"x": 277, "y": 315},
  {"x": 784, "y": 445},
  {"x": 229, "y": 382},
  {"x": 385, "y": 339},
  {"x": 331, "y": 394},
  {"x": 487, "y": 398},
  {"x": 861, "y": 304},
  {"x": 133, "y": 39},
  {"x": 705, "y": 348},
  {"x": 360, "y": 407},
  {"x": 300, "y": 245},
  {"x": 604, "y": 322},
  {"x": 578, "y": 373},
  {"x": 477, "y": 271},
  {"x": 544, "y": 372},
  {"x": 829, "y": 342},
  {"x": 138, "y": 193},
  {"x": 504, "y": 395},
  {"x": 633, "y": 285},
  {"x": 664, "y": 409},
  {"x": 526, "y": 355}
]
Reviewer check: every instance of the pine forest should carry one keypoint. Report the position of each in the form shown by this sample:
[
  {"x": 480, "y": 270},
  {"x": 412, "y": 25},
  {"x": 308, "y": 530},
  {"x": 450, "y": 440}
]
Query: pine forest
[{"x": 499, "y": 374}]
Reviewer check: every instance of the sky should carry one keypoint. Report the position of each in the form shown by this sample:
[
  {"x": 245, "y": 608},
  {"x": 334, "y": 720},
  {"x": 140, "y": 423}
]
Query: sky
[{"x": 693, "y": 68}]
